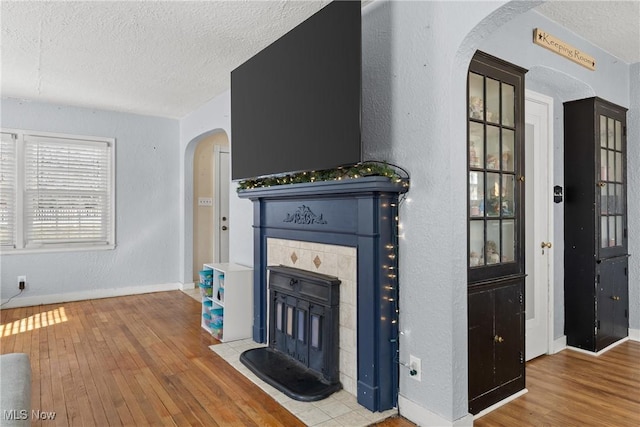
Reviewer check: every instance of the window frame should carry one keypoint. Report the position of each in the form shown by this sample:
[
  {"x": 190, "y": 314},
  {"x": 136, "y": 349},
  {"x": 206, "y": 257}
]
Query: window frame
[{"x": 20, "y": 243}]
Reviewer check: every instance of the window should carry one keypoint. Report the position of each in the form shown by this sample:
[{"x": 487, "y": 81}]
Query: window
[{"x": 56, "y": 191}]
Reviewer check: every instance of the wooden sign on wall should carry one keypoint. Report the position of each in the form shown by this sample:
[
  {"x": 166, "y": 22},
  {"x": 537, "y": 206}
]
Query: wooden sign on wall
[{"x": 554, "y": 44}]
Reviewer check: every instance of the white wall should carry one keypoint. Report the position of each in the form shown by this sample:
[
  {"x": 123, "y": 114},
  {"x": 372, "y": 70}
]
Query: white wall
[
  {"x": 633, "y": 199},
  {"x": 212, "y": 117},
  {"x": 147, "y": 187}
]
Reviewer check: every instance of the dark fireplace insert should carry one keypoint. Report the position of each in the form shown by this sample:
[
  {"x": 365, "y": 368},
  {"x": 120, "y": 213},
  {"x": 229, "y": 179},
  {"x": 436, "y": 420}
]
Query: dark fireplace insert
[{"x": 301, "y": 359}]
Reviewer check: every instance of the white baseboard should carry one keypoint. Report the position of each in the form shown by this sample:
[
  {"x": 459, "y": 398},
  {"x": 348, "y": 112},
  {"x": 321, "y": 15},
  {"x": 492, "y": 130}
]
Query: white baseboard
[
  {"x": 90, "y": 294},
  {"x": 634, "y": 334},
  {"x": 604, "y": 350},
  {"x": 559, "y": 344},
  {"x": 187, "y": 286},
  {"x": 499, "y": 404},
  {"x": 425, "y": 418}
]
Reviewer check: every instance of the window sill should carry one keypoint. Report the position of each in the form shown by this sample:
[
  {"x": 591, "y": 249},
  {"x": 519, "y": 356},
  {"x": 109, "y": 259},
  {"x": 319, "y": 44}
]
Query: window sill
[{"x": 44, "y": 250}]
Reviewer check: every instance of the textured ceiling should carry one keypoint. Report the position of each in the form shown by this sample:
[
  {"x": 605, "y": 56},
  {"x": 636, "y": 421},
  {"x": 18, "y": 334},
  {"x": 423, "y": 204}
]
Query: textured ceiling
[
  {"x": 156, "y": 58},
  {"x": 613, "y": 26},
  {"x": 169, "y": 58}
]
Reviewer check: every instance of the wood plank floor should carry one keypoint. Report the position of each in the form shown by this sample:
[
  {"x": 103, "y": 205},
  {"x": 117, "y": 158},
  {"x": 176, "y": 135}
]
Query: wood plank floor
[
  {"x": 144, "y": 360},
  {"x": 575, "y": 389},
  {"x": 136, "y": 360}
]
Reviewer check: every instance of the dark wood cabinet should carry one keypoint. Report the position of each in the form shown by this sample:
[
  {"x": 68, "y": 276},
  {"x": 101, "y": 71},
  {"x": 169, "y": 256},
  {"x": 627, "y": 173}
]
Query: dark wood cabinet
[
  {"x": 496, "y": 343},
  {"x": 495, "y": 230},
  {"x": 595, "y": 231}
]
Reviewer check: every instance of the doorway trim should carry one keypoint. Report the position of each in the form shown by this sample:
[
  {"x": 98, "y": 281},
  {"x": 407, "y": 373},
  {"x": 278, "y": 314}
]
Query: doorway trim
[
  {"x": 220, "y": 186},
  {"x": 548, "y": 102}
]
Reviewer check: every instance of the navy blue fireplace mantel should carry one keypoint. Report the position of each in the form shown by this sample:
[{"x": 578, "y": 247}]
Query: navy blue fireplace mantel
[{"x": 360, "y": 213}]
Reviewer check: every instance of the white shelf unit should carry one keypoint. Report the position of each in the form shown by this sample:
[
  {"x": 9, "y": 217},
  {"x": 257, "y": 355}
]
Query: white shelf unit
[{"x": 235, "y": 304}]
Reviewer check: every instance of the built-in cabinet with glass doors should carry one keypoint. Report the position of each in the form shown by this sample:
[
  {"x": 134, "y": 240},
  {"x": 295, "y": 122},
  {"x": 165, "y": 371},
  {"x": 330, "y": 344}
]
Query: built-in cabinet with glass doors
[
  {"x": 595, "y": 227},
  {"x": 495, "y": 230}
]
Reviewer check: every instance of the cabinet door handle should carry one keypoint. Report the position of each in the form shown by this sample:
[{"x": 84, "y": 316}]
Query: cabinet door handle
[
  {"x": 498, "y": 338},
  {"x": 615, "y": 298},
  {"x": 601, "y": 183}
]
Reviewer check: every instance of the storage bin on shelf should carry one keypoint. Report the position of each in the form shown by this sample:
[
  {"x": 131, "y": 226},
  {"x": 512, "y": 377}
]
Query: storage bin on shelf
[
  {"x": 206, "y": 283},
  {"x": 216, "y": 332},
  {"x": 206, "y": 290},
  {"x": 217, "y": 316},
  {"x": 218, "y": 285},
  {"x": 206, "y": 277},
  {"x": 207, "y": 318},
  {"x": 206, "y": 306}
]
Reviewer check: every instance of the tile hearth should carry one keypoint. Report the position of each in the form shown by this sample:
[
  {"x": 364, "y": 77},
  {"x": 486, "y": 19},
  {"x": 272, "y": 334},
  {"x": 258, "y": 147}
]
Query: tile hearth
[{"x": 340, "y": 409}]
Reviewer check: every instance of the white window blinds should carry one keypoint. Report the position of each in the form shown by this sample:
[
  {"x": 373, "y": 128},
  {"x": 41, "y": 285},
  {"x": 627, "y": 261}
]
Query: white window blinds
[
  {"x": 67, "y": 191},
  {"x": 8, "y": 190}
]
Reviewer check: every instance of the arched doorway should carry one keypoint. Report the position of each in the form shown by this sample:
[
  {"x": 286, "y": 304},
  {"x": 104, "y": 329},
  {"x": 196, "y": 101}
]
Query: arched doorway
[{"x": 206, "y": 201}]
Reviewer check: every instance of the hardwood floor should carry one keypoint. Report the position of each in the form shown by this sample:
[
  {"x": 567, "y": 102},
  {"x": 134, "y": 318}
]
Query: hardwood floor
[
  {"x": 136, "y": 360},
  {"x": 144, "y": 360},
  {"x": 575, "y": 389}
]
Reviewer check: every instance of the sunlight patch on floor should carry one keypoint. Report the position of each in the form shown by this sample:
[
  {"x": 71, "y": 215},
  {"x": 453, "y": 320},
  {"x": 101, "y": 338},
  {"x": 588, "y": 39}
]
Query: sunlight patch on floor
[{"x": 36, "y": 321}]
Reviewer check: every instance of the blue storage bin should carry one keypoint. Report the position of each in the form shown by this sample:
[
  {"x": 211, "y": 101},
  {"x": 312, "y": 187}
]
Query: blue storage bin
[{"x": 206, "y": 277}]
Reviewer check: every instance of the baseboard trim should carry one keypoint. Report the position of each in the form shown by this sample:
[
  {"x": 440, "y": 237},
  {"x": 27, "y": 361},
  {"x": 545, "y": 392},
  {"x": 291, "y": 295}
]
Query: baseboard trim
[
  {"x": 634, "y": 334},
  {"x": 559, "y": 344},
  {"x": 501, "y": 403},
  {"x": 425, "y": 418},
  {"x": 187, "y": 286},
  {"x": 90, "y": 294},
  {"x": 601, "y": 352}
]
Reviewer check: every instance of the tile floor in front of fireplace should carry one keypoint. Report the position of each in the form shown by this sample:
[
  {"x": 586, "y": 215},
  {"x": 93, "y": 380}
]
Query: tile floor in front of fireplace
[{"x": 339, "y": 409}]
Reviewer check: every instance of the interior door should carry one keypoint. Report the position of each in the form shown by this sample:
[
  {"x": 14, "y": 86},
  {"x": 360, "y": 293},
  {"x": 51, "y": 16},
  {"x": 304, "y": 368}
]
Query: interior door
[
  {"x": 538, "y": 197},
  {"x": 221, "y": 218}
]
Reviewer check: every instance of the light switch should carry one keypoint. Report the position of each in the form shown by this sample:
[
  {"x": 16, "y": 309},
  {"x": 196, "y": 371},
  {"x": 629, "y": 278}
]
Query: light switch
[{"x": 205, "y": 201}]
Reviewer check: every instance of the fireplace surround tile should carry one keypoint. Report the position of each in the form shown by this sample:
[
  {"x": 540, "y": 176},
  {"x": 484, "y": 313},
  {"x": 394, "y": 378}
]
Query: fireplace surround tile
[{"x": 278, "y": 252}]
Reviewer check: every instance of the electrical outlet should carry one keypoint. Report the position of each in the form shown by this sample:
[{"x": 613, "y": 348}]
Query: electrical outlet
[
  {"x": 22, "y": 282},
  {"x": 415, "y": 368}
]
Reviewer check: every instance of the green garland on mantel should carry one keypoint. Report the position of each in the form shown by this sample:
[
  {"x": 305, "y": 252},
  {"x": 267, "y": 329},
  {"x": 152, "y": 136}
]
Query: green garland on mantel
[{"x": 348, "y": 172}]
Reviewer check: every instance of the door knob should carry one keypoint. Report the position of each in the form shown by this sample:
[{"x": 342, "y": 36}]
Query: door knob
[
  {"x": 224, "y": 228},
  {"x": 545, "y": 245},
  {"x": 615, "y": 298},
  {"x": 498, "y": 338},
  {"x": 602, "y": 183}
]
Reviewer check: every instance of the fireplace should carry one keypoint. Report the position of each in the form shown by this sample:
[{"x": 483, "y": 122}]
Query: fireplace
[
  {"x": 361, "y": 214},
  {"x": 302, "y": 357}
]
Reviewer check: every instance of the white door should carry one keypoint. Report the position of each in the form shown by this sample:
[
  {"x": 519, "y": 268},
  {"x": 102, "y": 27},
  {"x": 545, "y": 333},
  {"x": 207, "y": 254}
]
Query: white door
[
  {"x": 538, "y": 224},
  {"x": 221, "y": 216}
]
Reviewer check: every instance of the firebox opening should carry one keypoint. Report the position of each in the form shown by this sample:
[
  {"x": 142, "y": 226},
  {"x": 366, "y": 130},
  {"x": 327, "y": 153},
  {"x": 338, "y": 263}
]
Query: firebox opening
[{"x": 302, "y": 357}]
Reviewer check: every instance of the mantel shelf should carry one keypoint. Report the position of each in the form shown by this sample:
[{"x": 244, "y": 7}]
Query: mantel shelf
[{"x": 367, "y": 184}]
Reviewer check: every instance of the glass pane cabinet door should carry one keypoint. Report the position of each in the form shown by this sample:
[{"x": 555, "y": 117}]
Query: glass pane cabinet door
[
  {"x": 492, "y": 165},
  {"x": 611, "y": 182}
]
